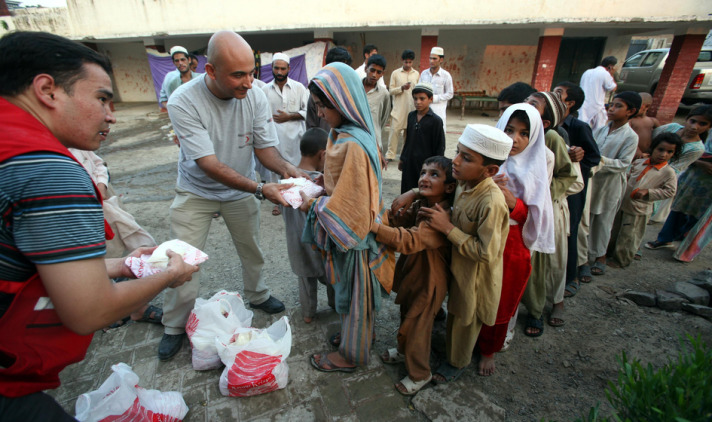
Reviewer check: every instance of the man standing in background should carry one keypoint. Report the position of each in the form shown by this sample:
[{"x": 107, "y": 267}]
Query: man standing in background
[
  {"x": 441, "y": 81},
  {"x": 178, "y": 77},
  {"x": 401, "y": 86},
  {"x": 595, "y": 83}
]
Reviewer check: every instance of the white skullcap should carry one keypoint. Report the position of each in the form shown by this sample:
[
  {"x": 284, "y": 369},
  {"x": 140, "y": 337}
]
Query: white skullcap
[
  {"x": 438, "y": 51},
  {"x": 280, "y": 56},
  {"x": 178, "y": 49},
  {"x": 487, "y": 141}
]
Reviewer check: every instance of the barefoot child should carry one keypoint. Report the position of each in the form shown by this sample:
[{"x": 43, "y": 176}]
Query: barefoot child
[
  {"x": 422, "y": 273},
  {"x": 649, "y": 180},
  {"x": 477, "y": 231},
  {"x": 523, "y": 179},
  {"x": 424, "y": 137},
  {"x": 306, "y": 262},
  {"x": 644, "y": 126},
  {"x": 617, "y": 143}
]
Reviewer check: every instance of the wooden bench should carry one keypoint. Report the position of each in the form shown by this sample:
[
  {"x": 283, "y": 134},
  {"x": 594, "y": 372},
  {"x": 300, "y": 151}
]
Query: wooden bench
[{"x": 465, "y": 96}]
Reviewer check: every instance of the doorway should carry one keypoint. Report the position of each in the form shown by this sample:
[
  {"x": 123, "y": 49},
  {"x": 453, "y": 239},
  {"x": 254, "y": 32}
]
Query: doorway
[{"x": 576, "y": 55}]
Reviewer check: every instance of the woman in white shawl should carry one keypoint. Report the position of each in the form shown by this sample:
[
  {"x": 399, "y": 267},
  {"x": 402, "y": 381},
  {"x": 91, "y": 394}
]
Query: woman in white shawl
[{"x": 524, "y": 181}]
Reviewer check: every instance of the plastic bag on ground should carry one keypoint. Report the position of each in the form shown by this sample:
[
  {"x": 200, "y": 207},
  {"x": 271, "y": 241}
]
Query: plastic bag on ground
[
  {"x": 255, "y": 360},
  {"x": 121, "y": 399},
  {"x": 152, "y": 264},
  {"x": 218, "y": 316}
]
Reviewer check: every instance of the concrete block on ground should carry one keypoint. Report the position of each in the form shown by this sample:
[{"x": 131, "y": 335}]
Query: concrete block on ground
[
  {"x": 453, "y": 402},
  {"x": 701, "y": 310},
  {"x": 702, "y": 282},
  {"x": 692, "y": 293},
  {"x": 640, "y": 298},
  {"x": 705, "y": 275},
  {"x": 669, "y": 301}
]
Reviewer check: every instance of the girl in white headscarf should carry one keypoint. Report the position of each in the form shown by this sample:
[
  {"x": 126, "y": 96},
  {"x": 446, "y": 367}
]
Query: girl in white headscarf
[{"x": 524, "y": 181}]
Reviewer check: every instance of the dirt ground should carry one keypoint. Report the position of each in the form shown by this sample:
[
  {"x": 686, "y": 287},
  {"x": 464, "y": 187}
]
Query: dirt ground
[{"x": 557, "y": 376}]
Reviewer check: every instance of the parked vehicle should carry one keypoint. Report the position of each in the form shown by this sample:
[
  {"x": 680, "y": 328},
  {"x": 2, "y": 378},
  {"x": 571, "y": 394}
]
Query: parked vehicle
[{"x": 641, "y": 73}]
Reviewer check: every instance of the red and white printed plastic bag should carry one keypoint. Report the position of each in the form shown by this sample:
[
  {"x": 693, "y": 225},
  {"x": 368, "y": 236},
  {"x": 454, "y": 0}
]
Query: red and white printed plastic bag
[
  {"x": 218, "y": 316},
  {"x": 155, "y": 263},
  {"x": 121, "y": 399},
  {"x": 255, "y": 360}
]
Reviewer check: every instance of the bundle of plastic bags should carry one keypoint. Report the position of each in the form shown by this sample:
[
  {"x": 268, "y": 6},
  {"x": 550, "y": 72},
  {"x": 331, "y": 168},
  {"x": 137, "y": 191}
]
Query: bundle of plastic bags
[
  {"x": 255, "y": 360},
  {"x": 216, "y": 317},
  {"x": 146, "y": 265},
  {"x": 121, "y": 399}
]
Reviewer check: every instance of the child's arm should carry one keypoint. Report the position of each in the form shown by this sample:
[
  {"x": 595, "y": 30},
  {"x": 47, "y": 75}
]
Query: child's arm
[
  {"x": 622, "y": 160},
  {"x": 666, "y": 189},
  {"x": 439, "y": 140},
  {"x": 410, "y": 240},
  {"x": 565, "y": 174}
]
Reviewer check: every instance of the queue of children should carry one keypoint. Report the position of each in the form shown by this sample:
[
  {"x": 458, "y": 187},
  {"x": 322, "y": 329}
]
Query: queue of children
[{"x": 488, "y": 229}]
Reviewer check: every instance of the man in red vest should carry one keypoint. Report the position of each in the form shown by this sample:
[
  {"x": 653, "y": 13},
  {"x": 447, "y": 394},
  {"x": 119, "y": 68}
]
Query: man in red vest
[{"x": 55, "y": 287}]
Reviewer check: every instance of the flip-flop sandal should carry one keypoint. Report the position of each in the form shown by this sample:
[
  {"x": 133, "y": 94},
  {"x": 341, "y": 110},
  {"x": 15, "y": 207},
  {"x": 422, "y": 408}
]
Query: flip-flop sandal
[
  {"x": 571, "y": 289},
  {"x": 584, "y": 273},
  {"x": 392, "y": 356},
  {"x": 117, "y": 324},
  {"x": 335, "y": 340},
  {"x": 324, "y": 362},
  {"x": 534, "y": 323},
  {"x": 276, "y": 210},
  {"x": 556, "y": 318},
  {"x": 412, "y": 387},
  {"x": 152, "y": 314},
  {"x": 638, "y": 255},
  {"x": 448, "y": 373},
  {"x": 598, "y": 268}
]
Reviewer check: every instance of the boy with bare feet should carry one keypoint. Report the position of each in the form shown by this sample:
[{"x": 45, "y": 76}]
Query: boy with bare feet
[
  {"x": 643, "y": 126},
  {"x": 306, "y": 262},
  {"x": 422, "y": 272}
]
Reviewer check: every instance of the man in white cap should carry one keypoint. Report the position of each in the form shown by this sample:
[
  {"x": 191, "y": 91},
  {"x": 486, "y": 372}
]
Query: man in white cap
[
  {"x": 178, "y": 77},
  {"x": 478, "y": 230},
  {"x": 288, "y": 101},
  {"x": 441, "y": 81}
]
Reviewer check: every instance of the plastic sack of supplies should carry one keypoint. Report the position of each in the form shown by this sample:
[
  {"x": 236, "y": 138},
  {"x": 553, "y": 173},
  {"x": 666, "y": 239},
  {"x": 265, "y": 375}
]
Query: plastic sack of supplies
[
  {"x": 255, "y": 360},
  {"x": 301, "y": 184},
  {"x": 146, "y": 265},
  {"x": 121, "y": 399},
  {"x": 216, "y": 317}
]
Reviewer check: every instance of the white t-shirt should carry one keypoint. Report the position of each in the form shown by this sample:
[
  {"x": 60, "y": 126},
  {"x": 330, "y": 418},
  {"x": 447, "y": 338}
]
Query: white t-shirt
[{"x": 229, "y": 129}]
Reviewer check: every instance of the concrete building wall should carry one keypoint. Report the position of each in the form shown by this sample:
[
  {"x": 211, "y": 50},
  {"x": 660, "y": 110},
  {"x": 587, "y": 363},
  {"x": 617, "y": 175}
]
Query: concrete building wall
[
  {"x": 111, "y": 18},
  {"x": 132, "y": 74},
  {"x": 55, "y": 20}
]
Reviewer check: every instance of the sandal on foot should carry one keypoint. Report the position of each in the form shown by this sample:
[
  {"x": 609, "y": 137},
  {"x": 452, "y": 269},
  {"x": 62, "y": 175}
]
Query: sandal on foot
[
  {"x": 152, "y": 314},
  {"x": 638, "y": 255},
  {"x": 325, "y": 365},
  {"x": 598, "y": 268},
  {"x": 392, "y": 356},
  {"x": 117, "y": 324},
  {"x": 276, "y": 210},
  {"x": 571, "y": 289},
  {"x": 447, "y": 373},
  {"x": 536, "y": 323},
  {"x": 556, "y": 319},
  {"x": 335, "y": 340},
  {"x": 659, "y": 245},
  {"x": 412, "y": 387},
  {"x": 584, "y": 273}
]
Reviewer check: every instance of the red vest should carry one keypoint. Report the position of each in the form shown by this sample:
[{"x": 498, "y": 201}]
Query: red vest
[{"x": 34, "y": 344}]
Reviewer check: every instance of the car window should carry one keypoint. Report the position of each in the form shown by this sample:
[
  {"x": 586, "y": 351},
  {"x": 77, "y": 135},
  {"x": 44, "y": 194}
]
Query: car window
[
  {"x": 705, "y": 56},
  {"x": 634, "y": 61},
  {"x": 651, "y": 59}
]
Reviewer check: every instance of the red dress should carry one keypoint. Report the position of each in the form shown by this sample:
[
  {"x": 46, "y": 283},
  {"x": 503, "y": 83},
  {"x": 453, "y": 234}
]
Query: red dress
[{"x": 517, "y": 267}]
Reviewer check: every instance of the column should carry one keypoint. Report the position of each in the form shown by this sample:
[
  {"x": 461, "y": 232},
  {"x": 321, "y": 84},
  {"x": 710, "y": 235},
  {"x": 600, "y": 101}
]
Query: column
[
  {"x": 328, "y": 38},
  {"x": 545, "y": 62},
  {"x": 428, "y": 40},
  {"x": 676, "y": 74}
]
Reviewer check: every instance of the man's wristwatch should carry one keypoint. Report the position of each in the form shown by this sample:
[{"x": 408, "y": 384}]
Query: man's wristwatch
[{"x": 258, "y": 193}]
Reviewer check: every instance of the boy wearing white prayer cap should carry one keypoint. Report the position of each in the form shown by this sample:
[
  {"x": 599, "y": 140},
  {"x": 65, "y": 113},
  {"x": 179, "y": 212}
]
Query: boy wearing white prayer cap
[
  {"x": 441, "y": 81},
  {"x": 478, "y": 231}
]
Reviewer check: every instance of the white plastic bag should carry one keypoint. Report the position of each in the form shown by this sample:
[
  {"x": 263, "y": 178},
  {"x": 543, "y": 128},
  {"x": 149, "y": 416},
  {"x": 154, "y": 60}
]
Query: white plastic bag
[
  {"x": 218, "y": 316},
  {"x": 121, "y": 399},
  {"x": 255, "y": 360},
  {"x": 146, "y": 265}
]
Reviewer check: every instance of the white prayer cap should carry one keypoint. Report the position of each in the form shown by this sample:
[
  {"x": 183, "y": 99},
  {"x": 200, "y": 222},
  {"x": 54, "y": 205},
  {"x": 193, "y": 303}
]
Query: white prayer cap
[
  {"x": 280, "y": 56},
  {"x": 438, "y": 51},
  {"x": 178, "y": 49},
  {"x": 487, "y": 141}
]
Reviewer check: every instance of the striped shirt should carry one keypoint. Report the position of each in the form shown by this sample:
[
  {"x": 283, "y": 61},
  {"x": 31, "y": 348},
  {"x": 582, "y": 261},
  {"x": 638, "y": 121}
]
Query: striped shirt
[{"x": 49, "y": 214}]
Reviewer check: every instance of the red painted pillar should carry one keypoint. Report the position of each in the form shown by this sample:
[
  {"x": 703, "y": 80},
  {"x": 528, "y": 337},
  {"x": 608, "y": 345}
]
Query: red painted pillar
[
  {"x": 545, "y": 62},
  {"x": 4, "y": 10},
  {"x": 675, "y": 76},
  {"x": 427, "y": 42}
]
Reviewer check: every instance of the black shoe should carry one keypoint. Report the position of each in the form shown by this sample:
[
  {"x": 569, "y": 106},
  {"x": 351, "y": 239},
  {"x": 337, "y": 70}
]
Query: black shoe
[
  {"x": 271, "y": 306},
  {"x": 170, "y": 346}
]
